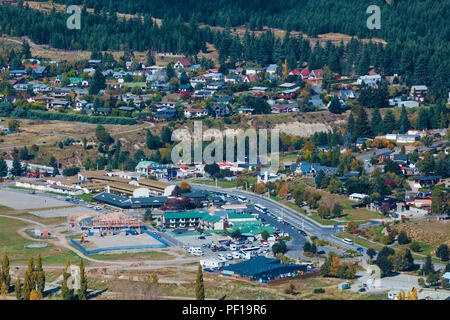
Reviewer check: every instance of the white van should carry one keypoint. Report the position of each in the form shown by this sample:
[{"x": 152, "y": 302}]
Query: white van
[
  {"x": 348, "y": 241},
  {"x": 233, "y": 247},
  {"x": 196, "y": 251}
]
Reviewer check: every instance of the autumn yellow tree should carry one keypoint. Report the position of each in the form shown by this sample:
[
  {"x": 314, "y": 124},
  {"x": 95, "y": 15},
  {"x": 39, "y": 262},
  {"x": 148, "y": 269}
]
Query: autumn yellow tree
[
  {"x": 35, "y": 295},
  {"x": 259, "y": 187},
  {"x": 409, "y": 296},
  {"x": 414, "y": 294},
  {"x": 283, "y": 193}
]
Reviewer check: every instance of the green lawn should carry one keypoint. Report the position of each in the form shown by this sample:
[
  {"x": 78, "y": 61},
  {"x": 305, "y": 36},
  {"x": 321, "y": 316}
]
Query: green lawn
[
  {"x": 13, "y": 243},
  {"x": 359, "y": 214},
  {"x": 148, "y": 255},
  {"x": 315, "y": 217}
]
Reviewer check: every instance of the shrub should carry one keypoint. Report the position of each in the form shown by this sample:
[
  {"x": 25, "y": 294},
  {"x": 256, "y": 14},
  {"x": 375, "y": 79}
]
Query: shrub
[{"x": 319, "y": 290}]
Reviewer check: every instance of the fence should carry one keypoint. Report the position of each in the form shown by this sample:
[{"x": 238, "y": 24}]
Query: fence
[{"x": 163, "y": 244}]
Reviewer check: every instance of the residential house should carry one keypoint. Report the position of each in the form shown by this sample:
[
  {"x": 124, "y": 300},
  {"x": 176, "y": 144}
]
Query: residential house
[
  {"x": 370, "y": 80},
  {"x": 182, "y": 63},
  {"x": 272, "y": 69},
  {"x": 221, "y": 110},
  {"x": 195, "y": 112},
  {"x": 418, "y": 92}
]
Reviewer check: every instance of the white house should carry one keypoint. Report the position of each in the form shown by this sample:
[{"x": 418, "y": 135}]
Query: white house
[
  {"x": 267, "y": 175},
  {"x": 195, "y": 112},
  {"x": 358, "y": 196},
  {"x": 369, "y": 80}
]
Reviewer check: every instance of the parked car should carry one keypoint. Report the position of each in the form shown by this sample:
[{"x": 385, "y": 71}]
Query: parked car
[
  {"x": 221, "y": 256},
  {"x": 222, "y": 249},
  {"x": 229, "y": 257},
  {"x": 236, "y": 255},
  {"x": 202, "y": 237}
]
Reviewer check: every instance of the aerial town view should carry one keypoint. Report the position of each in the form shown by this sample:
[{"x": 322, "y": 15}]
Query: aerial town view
[{"x": 224, "y": 150}]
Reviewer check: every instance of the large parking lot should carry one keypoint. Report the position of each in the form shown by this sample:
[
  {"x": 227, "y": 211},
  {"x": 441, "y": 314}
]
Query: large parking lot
[{"x": 205, "y": 242}]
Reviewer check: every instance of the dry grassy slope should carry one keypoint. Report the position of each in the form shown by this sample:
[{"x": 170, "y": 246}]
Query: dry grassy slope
[{"x": 428, "y": 231}]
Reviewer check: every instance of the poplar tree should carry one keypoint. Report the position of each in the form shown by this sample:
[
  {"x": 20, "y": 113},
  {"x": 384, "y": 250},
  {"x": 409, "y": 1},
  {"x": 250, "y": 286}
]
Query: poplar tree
[
  {"x": 83, "y": 282},
  {"x": 199, "y": 285},
  {"x": 6, "y": 277},
  {"x": 40, "y": 281},
  {"x": 18, "y": 289},
  {"x": 66, "y": 293}
]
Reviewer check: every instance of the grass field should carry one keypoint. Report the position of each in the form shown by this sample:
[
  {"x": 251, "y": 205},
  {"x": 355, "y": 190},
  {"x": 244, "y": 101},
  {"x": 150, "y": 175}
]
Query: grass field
[
  {"x": 147, "y": 255},
  {"x": 13, "y": 243}
]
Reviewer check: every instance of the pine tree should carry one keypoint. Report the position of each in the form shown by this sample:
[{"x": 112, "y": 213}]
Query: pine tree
[
  {"x": 350, "y": 125},
  {"x": 362, "y": 128},
  {"x": 199, "y": 285},
  {"x": 404, "y": 124},
  {"x": 18, "y": 289},
  {"x": 83, "y": 282},
  {"x": 335, "y": 105},
  {"x": 3, "y": 168},
  {"x": 428, "y": 266},
  {"x": 17, "y": 169},
  {"x": 389, "y": 122},
  {"x": 376, "y": 123}
]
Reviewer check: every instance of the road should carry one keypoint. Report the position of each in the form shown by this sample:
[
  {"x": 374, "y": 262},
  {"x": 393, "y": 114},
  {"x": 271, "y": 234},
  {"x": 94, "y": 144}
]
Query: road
[{"x": 299, "y": 221}]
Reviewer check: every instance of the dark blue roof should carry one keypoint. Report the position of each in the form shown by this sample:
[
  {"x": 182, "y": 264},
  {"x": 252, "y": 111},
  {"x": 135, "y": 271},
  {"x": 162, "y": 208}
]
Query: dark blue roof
[
  {"x": 125, "y": 202},
  {"x": 262, "y": 267}
]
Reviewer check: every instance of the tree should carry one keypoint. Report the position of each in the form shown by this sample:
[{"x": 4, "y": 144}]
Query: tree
[
  {"x": 236, "y": 234},
  {"x": 148, "y": 215},
  {"x": 35, "y": 295},
  {"x": 403, "y": 238},
  {"x": 350, "y": 125},
  {"x": 17, "y": 169},
  {"x": 279, "y": 247},
  {"x": 13, "y": 125},
  {"x": 6, "y": 277},
  {"x": 404, "y": 124},
  {"x": 98, "y": 83},
  {"x": 199, "y": 285},
  {"x": 384, "y": 262},
  {"x": 212, "y": 169},
  {"x": 66, "y": 293},
  {"x": 3, "y": 168},
  {"x": 428, "y": 267},
  {"x": 83, "y": 282},
  {"x": 335, "y": 105},
  {"x": 437, "y": 201},
  {"x": 17, "y": 289},
  {"x": 371, "y": 253},
  {"x": 442, "y": 252},
  {"x": 362, "y": 128},
  {"x": 403, "y": 260},
  {"x": 389, "y": 122},
  {"x": 264, "y": 234}
]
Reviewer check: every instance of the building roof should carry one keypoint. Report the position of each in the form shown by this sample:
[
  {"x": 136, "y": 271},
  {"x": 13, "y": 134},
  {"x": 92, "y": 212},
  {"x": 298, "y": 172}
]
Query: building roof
[
  {"x": 263, "y": 267},
  {"x": 185, "y": 215}
]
